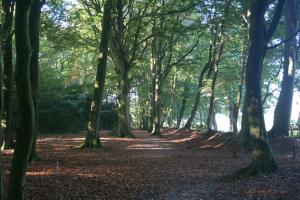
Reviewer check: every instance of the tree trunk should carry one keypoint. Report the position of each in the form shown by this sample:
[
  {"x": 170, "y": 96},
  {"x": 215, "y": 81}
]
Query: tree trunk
[
  {"x": 123, "y": 104},
  {"x": 185, "y": 96},
  {"x": 8, "y": 8},
  {"x": 189, "y": 122},
  {"x": 25, "y": 133},
  {"x": 210, "y": 116},
  {"x": 262, "y": 160},
  {"x": 120, "y": 56},
  {"x": 157, "y": 106},
  {"x": 1, "y": 107},
  {"x": 34, "y": 29},
  {"x": 283, "y": 108},
  {"x": 92, "y": 137}
]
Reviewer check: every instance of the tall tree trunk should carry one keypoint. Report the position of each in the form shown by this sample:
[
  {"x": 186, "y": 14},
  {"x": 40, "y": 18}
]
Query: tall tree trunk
[
  {"x": 25, "y": 133},
  {"x": 8, "y": 8},
  {"x": 169, "y": 113},
  {"x": 1, "y": 107},
  {"x": 157, "y": 105},
  {"x": 92, "y": 137},
  {"x": 34, "y": 29},
  {"x": 183, "y": 105},
  {"x": 121, "y": 59},
  {"x": 262, "y": 160},
  {"x": 211, "y": 103},
  {"x": 283, "y": 108},
  {"x": 123, "y": 104}
]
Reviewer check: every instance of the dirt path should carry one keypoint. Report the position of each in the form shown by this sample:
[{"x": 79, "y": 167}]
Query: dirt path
[{"x": 174, "y": 166}]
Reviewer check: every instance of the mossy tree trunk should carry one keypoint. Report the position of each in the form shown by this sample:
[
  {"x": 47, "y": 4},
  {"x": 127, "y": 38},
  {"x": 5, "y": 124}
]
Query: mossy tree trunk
[
  {"x": 34, "y": 29},
  {"x": 262, "y": 159},
  {"x": 283, "y": 108},
  {"x": 123, "y": 64},
  {"x": 123, "y": 103},
  {"x": 25, "y": 133},
  {"x": 8, "y": 9},
  {"x": 92, "y": 137}
]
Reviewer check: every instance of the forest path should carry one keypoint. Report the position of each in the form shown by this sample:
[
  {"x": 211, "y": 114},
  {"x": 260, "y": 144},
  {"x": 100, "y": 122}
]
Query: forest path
[{"x": 178, "y": 165}]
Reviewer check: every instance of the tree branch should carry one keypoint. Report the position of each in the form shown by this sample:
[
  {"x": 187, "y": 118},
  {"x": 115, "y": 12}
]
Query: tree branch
[
  {"x": 284, "y": 41},
  {"x": 275, "y": 20}
]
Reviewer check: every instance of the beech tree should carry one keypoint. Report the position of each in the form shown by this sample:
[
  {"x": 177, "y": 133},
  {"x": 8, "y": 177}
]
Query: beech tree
[
  {"x": 92, "y": 138},
  {"x": 34, "y": 29},
  {"x": 1, "y": 96},
  {"x": 283, "y": 108},
  {"x": 262, "y": 159},
  {"x": 8, "y": 9},
  {"x": 25, "y": 134}
]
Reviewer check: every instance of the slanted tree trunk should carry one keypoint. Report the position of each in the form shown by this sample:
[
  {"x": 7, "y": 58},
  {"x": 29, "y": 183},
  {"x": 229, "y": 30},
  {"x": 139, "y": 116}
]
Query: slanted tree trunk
[
  {"x": 190, "y": 120},
  {"x": 283, "y": 108},
  {"x": 92, "y": 137},
  {"x": 25, "y": 133},
  {"x": 34, "y": 28},
  {"x": 8, "y": 9},
  {"x": 262, "y": 159},
  {"x": 218, "y": 52}
]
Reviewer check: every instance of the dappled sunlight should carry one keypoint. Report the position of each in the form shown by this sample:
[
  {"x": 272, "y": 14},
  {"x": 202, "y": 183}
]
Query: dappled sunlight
[
  {"x": 185, "y": 139},
  {"x": 41, "y": 173},
  {"x": 148, "y": 146}
]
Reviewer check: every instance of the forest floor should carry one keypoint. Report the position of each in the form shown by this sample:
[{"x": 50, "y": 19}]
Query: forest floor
[{"x": 177, "y": 165}]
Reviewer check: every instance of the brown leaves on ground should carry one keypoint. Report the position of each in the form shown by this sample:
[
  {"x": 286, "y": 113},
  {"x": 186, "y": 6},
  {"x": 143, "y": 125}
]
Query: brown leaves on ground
[{"x": 181, "y": 164}]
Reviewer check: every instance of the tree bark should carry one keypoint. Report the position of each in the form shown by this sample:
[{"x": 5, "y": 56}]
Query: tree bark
[
  {"x": 123, "y": 103},
  {"x": 120, "y": 56},
  {"x": 34, "y": 29},
  {"x": 25, "y": 133},
  {"x": 185, "y": 96},
  {"x": 92, "y": 137},
  {"x": 283, "y": 108},
  {"x": 1, "y": 107},
  {"x": 210, "y": 116},
  {"x": 8, "y": 9},
  {"x": 262, "y": 159},
  {"x": 190, "y": 120}
]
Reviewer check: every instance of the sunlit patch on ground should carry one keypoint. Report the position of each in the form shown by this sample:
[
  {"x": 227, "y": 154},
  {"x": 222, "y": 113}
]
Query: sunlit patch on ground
[{"x": 182, "y": 164}]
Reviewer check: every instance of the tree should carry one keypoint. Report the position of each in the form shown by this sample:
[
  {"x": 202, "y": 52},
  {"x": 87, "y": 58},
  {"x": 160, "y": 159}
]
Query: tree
[
  {"x": 1, "y": 96},
  {"x": 25, "y": 134},
  {"x": 217, "y": 55},
  {"x": 92, "y": 137},
  {"x": 8, "y": 9},
  {"x": 34, "y": 29},
  {"x": 125, "y": 44},
  {"x": 283, "y": 108},
  {"x": 262, "y": 159}
]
